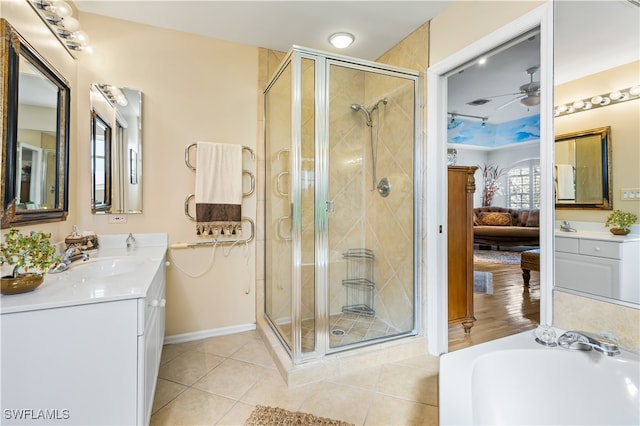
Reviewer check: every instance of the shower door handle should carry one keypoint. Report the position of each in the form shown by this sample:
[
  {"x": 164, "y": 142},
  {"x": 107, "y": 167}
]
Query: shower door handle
[
  {"x": 278, "y": 230},
  {"x": 279, "y": 191}
]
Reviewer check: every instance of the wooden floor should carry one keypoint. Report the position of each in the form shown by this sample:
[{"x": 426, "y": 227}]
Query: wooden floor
[{"x": 510, "y": 309}]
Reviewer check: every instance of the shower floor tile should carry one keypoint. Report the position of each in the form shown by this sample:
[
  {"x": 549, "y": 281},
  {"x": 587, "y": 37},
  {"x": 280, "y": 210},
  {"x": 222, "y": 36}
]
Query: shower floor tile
[{"x": 345, "y": 328}]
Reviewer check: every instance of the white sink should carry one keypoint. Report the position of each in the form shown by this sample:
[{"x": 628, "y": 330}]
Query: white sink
[{"x": 103, "y": 267}]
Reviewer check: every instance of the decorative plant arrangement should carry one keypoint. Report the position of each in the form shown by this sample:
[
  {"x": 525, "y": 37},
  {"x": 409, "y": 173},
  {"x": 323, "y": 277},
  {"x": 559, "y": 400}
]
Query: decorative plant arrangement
[
  {"x": 30, "y": 256},
  {"x": 490, "y": 173},
  {"x": 620, "y": 222}
]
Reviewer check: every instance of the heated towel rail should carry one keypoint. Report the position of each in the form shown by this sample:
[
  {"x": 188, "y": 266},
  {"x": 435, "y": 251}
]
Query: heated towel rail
[{"x": 215, "y": 241}]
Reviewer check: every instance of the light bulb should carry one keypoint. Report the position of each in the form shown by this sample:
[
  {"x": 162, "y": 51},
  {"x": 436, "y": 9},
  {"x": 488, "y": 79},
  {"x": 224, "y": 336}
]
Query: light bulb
[
  {"x": 587, "y": 105},
  {"x": 635, "y": 91},
  {"x": 62, "y": 9},
  {"x": 81, "y": 36},
  {"x": 615, "y": 95},
  {"x": 70, "y": 23},
  {"x": 596, "y": 99},
  {"x": 605, "y": 101},
  {"x": 562, "y": 108},
  {"x": 578, "y": 104}
]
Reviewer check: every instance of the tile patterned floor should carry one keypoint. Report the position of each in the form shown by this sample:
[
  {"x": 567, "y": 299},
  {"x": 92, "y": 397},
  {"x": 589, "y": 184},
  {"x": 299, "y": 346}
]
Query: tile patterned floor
[{"x": 218, "y": 381}]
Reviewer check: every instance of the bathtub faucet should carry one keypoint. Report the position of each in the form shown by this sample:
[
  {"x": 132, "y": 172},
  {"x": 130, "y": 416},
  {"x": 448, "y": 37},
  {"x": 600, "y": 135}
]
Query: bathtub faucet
[{"x": 585, "y": 341}]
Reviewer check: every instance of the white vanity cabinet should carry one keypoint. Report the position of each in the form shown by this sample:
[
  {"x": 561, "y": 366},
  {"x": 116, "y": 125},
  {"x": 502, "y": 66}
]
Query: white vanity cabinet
[
  {"x": 150, "y": 340},
  {"x": 599, "y": 264},
  {"x": 84, "y": 353}
]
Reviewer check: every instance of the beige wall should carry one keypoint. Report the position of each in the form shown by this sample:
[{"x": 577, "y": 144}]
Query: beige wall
[
  {"x": 194, "y": 89},
  {"x": 625, "y": 133}
]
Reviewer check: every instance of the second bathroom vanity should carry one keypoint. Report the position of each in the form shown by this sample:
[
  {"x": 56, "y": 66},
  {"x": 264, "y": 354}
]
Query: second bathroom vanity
[
  {"x": 598, "y": 263},
  {"x": 84, "y": 348}
]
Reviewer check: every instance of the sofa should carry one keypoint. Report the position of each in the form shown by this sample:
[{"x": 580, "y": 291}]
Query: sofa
[{"x": 501, "y": 226}]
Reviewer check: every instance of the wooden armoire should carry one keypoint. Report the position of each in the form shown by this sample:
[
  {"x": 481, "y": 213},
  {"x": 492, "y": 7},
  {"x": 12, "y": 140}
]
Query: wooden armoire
[{"x": 462, "y": 186}]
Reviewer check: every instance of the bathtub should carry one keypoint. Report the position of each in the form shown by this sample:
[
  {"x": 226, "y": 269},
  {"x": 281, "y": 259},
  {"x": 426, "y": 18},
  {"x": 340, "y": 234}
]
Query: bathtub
[{"x": 516, "y": 381}]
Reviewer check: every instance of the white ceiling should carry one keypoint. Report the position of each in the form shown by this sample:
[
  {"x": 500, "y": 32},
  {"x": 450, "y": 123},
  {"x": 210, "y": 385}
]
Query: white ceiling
[
  {"x": 590, "y": 36},
  {"x": 376, "y": 25}
]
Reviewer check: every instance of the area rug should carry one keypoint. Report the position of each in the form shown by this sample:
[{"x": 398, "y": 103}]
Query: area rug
[
  {"x": 497, "y": 256},
  {"x": 273, "y": 416}
]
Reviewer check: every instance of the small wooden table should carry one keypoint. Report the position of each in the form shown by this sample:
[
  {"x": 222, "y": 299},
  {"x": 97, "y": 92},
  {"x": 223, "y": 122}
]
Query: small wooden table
[{"x": 529, "y": 261}]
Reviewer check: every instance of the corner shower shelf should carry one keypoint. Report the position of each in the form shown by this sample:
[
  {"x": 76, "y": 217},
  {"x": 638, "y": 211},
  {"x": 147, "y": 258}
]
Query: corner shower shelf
[{"x": 359, "y": 282}]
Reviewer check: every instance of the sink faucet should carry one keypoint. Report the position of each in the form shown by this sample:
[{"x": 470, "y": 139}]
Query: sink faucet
[
  {"x": 566, "y": 227},
  {"x": 585, "y": 341},
  {"x": 69, "y": 256}
]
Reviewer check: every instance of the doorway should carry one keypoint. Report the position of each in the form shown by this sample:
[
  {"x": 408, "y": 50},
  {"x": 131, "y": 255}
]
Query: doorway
[
  {"x": 493, "y": 126},
  {"x": 438, "y": 79}
]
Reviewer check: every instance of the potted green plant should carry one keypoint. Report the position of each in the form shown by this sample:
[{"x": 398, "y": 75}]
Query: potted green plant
[
  {"x": 30, "y": 257},
  {"x": 620, "y": 222}
]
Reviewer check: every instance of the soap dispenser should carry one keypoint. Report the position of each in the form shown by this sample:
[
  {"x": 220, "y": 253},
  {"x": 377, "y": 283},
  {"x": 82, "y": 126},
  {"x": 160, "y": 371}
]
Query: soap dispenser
[{"x": 131, "y": 242}]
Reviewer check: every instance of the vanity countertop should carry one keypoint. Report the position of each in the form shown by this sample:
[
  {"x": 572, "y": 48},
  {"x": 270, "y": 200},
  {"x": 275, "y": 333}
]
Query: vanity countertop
[
  {"x": 60, "y": 290},
  {"x": 596, "y": 235}
]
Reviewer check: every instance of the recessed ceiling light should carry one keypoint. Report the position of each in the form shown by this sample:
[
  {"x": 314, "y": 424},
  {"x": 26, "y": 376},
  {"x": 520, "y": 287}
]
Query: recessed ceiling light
[{"x": 341, "y": 40}]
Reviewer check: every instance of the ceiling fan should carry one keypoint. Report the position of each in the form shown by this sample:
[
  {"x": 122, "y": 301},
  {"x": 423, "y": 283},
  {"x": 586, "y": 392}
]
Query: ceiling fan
[{"x": 529, "y": 94}]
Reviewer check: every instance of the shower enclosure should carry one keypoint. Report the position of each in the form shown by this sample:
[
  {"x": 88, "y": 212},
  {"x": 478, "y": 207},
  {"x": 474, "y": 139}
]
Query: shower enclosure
[{"x": 340, "y": 212}]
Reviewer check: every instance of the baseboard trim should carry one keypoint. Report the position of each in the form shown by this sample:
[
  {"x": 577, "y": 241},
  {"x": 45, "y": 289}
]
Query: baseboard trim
[{"x": 203, "y": 334}]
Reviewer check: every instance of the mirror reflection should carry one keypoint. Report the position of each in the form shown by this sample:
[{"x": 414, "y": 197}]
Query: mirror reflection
[
  {"x": 100, "y": 157},
  {"x": 582, "y": 171},
  {"x": 593, "y": 75},
  {"x": 116, "y": 149},
  {"x": 34, "y": 135}
]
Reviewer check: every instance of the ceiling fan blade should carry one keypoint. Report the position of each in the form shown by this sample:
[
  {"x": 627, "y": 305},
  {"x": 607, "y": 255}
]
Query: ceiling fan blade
[
  {"x": 506, "y": 104},
  {"x": 505, "y": 94}
]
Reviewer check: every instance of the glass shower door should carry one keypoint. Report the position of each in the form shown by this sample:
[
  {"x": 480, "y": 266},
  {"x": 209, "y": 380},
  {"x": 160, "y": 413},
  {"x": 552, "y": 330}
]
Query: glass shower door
[
  {"x": 290, "y": 275},
  {"x": 371, "y": 204},
  {"x": 278, "y": 239}
]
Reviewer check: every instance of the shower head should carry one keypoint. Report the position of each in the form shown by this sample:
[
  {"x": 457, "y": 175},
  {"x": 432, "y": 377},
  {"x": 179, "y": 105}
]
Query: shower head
[
  {"x": 368, "y": 112},
  {"x": 358, "y": 107}
]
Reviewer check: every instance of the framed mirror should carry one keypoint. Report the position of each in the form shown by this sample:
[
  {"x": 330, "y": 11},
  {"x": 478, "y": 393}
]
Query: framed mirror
[
  {"x": 116, "y": 149},
  {"x": 582, "y": 174},
  {"x": 34, "y": 133},
  {"x": 100, "y": 158}
]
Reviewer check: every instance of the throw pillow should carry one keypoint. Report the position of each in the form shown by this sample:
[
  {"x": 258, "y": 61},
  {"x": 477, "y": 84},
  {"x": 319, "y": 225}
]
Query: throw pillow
[
  {"x": 495, "y": 219},
  {"x": 534, "y": 218}
]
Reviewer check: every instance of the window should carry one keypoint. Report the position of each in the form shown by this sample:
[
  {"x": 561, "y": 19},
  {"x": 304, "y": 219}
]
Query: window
[{"x": 523, "y": 185}]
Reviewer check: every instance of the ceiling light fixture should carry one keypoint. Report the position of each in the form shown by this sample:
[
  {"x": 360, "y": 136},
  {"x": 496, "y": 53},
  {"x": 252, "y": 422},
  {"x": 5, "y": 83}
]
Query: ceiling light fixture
[
  {"x": 612, "y": 98},
  {"x": 341, "y": 40},
  {"x": 453, "y": 116},
  {"x": 58, "y": 15},
  {"x": 530, "y": 101}
]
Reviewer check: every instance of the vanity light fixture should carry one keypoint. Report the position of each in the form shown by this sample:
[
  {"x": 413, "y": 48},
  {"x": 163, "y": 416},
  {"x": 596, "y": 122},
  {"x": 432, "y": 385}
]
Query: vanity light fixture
[
  {"x": 113, "y": 94},
  {"x": 597, "y": 101},
  {"x": 58, "y": 16},
  {"x": 341, "y": 40}
]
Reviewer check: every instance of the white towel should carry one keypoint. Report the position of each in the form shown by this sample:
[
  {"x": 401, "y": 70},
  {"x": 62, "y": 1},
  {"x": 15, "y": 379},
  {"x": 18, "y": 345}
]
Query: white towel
[
  {"x": 218, "y": 189},
  {"x": 564, "y": 177}
]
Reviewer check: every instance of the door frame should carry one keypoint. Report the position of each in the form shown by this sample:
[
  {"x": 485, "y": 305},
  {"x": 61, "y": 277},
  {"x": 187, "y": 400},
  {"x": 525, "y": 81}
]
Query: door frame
[{"x": 436, "y": 182}]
